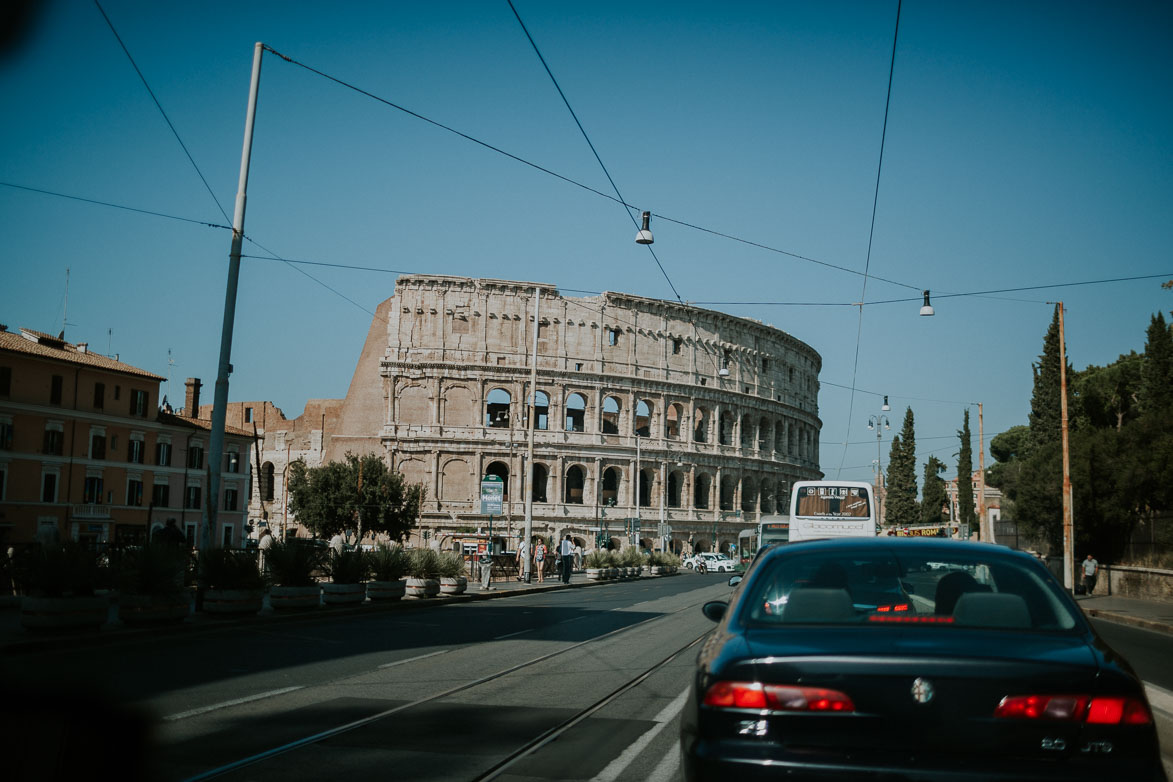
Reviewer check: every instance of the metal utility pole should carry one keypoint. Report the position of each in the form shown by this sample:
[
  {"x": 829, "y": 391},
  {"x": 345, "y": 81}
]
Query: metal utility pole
[
  {"x": 527, "y": 485},
  {"x": 220, "y": 407},
  {"x": 1068, "y": 521}
]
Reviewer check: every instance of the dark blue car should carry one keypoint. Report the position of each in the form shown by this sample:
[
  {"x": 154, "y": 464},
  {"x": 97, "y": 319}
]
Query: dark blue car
[{"x": 854, "y": 659}]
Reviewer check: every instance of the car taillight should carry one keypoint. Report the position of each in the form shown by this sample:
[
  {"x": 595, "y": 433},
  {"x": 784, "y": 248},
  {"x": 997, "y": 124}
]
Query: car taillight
[
  {"x": 897, "y": 607},
  {"x": 774, "y": 697},
  {"x": 1099, "y": 710}
]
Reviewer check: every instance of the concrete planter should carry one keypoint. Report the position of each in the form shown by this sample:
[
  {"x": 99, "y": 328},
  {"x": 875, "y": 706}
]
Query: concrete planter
[
  {"x": 646, "y": 571},
  {"x": 343, "y": 594},
  {"x": 422, "y": 587},
  {"x": 453, "y": 585},
  {"x": 291, "y": 598},
  {"x": 386, "y": 590},
  {"x": 233, "y": 602},
  {"x": 153, "y": 609},
  {"x": 64, "y": 613},
  {"x": 595, "y": 574}
]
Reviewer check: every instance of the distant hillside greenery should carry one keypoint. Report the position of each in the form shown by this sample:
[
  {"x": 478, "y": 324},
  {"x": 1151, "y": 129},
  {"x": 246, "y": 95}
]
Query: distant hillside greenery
[{"x": 1120, "y": 422}]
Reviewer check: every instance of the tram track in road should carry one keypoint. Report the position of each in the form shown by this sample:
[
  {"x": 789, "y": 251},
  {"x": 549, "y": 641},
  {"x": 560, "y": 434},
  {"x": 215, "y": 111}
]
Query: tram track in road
[{"x": 546, "y": 735}]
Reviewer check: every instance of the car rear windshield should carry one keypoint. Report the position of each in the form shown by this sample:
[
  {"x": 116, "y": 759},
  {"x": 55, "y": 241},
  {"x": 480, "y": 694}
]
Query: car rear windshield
[{"x": 881, "y": 589}]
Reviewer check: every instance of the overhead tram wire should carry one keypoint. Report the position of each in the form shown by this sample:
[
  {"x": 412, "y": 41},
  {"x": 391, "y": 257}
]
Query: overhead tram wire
[
  {"x": 114, "y": 206},
  {"x": 871, "y": 235},
  {"x": 159, "y": 106}
]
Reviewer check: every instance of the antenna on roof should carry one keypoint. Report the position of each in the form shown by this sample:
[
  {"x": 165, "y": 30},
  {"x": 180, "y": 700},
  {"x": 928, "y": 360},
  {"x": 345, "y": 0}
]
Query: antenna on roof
[{"x": 65, "y": 316}]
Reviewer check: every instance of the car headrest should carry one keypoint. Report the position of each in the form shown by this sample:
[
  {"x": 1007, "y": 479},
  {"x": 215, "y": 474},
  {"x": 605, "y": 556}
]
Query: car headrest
[
  {"x": 992, "y": 609},
  {"x": 818, "y": 605}
]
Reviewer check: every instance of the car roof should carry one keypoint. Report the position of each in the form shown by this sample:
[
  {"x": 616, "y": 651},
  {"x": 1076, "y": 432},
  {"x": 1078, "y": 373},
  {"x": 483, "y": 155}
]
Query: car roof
[{"x": 901, "y": 546}]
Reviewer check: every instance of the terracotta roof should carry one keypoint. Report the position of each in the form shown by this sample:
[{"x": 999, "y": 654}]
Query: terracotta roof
[
  {"x": 37, "y": 343},
  {"x": 200, "y": 423}
]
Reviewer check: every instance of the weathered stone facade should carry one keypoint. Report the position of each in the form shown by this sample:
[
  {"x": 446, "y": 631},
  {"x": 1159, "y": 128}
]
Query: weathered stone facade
[{"x": 726, "y": 409}]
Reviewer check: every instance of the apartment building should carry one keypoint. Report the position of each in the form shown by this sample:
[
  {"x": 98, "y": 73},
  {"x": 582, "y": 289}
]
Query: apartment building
[{"x": 87, "y": 454}]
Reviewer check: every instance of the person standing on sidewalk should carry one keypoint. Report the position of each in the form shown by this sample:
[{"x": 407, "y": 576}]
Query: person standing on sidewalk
[
  {"x": 540, "y": 559},
  {"x": 567, "y": 552},
  {"x": 1091, "y": 569},
  {"x": 522, "y": 559}
]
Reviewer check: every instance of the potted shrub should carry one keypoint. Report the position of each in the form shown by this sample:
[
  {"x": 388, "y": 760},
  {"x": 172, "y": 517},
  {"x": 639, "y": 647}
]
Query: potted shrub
[
  {"x": 423, "y": 573},
  {"x": 348, "y": 571},
  {"x": 291, "y": 568},
  {"x": 655, "y": 564},
  {"x": 632, "y": 561},
  {"x": 596, "y": 565},
  {"x": 388, "y": 567},
  {"x": 453, "y": 580},
  {"x": 612, "y": 566},
  {"x": 57, "y": 584},
  {"x": 234, "y": 584},
  {"x": 151, "y": 584}
]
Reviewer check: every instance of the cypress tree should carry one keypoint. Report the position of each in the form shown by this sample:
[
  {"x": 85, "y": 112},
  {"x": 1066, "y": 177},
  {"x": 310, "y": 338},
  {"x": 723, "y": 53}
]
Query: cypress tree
[
  {"x": 902, "y": 505},
  {"x": 965, "y": 510},
  {"x": 1156, "y": 373},
  {"x": 934, "y": 492},
  {"x": 1045, "y": 416}
]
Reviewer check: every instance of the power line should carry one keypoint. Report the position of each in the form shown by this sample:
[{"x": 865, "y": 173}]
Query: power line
[{"x": 114, "y": 206}]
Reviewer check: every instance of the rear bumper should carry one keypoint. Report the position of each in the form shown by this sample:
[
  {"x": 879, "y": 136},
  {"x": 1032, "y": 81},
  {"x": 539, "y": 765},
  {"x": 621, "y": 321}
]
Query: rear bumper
[{"x": 725, "y": 760}]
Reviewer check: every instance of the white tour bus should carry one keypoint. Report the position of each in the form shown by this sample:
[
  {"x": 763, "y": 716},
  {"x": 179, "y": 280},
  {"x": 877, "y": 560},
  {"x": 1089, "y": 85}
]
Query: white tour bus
[{"x": 832, "y": 509}]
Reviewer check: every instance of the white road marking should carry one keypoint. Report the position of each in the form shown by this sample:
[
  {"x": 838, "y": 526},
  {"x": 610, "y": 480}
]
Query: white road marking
[
  {"x": 1159, "y": 698},
  {"x": 510, "y": 635},
  {"x": 412, "y": 659},
  {"x": 666, "y": 770},
  {"x": 625, "y": 758},
  {"x": 236, "y": 702}
]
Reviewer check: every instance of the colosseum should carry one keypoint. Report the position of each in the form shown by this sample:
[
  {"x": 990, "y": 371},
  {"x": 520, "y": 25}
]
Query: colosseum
[{"x": 693, "y": 422}]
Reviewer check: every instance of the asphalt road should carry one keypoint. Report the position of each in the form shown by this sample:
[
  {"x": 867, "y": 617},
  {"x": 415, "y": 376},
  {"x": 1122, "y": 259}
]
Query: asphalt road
[{"x": 452, "y": 692}]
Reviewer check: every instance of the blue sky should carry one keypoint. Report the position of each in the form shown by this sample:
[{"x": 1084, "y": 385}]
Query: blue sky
[{"x": 1027, "y": 144}]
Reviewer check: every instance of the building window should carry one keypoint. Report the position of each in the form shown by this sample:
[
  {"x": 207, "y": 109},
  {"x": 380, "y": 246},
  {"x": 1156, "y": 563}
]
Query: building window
[
  {"x": 191, "y": 498},
  {"x": 613, "y": 337},
  {"x": 54, "y": 442},
  {"x": 163, "y": 454},
  {"x": 55, "y": 386},
  {"x": 232, "y": 461},
  {"x": 99, "y": 395},
  {"x": 248, "y": 415},
  {"x": 5, "y": 435},
  {"x": 134, "y": 493},
  {"x": 138, "y": 403},
  {"x": 49, "y": 487},
  {"x": 97, "y": 446},
  {"x": 230, "y": 499},
  {"x": 117, "y": 392},
  {"x": 3, "y": 480},
  {"x": 227, "y": 536},
  {"x": 195, "y": 457},
  {"x": 135, "y": 450},
  {"x": 93, "y": 491},
  {"x": 6, "y": 381},
  {"x": 267, "y": 482},
  {"x": 161, "y": 495},
  {"x": 676, "y": 345}
]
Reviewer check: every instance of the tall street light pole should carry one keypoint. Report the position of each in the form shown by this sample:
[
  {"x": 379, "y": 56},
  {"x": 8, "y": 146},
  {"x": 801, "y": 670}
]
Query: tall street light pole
[
  {"x": 220, "y": 406},
  {"x": 874, "y": 422},
  {"x": 527, "y": 485}
]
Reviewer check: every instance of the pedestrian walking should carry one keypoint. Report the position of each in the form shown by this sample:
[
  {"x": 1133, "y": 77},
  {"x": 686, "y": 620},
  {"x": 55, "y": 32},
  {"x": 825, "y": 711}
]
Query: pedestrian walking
[
  {"x": 540, "y": 559},
  {"x": 337, "y": 543},
  {"x": 522, "y": 559},
  {"x": 263, "y": 546},
  {"x": 567, "y": 552},
  {"x": 1091, "y": 569},
  {"x": 577, "y": 557}
]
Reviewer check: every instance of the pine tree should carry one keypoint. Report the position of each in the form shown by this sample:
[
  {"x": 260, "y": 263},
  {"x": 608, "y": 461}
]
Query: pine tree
[
  {"x": 1045, "y": 416},
  {"x": 931, "y": 508},
  {"x": 965, "y": 477},
  {"x": 902, "y": 505}
]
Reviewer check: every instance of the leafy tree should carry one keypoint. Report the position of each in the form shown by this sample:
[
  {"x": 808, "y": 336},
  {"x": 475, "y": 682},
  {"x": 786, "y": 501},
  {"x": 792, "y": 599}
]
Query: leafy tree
[
  {"x": 1107, "y": 396},
  {"x": 356, "y": 492},
  {"x": 902, "y": 489},
  {"x": 965, "y": 476},
  {"x": 934, "y": 493},
  {"x": 1007, "y": 449}
]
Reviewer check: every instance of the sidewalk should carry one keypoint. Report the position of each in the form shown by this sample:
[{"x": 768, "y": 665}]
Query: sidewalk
[
  {"x": 1150, "y": 614},
  {"x": 15, "y": 639}
]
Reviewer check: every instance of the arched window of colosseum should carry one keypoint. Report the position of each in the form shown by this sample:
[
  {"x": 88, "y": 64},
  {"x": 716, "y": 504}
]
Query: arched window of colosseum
[
  {"x": 749, "y": 495},
  {"x": 725, "y": 430},
  {"x": 764, "y": 440},
  {"x": 611, "y": 480},
  {"x": 541, "y": 412},
  {"x": 675, "y": 483},
  {"x": 792, "y": 446},
  {"x": 647, "y": 479},
  {"x": 728, "y": 490},
  {"x": 497, "y": 408},
  {"x": 415, "y": 405},
  {"x": 267, "y": 482},
  {"x": 413, "y": 471},
  {"x": 747, "y": 433},
  {"x": 459, "y": 406},
  {"x": 501, "y": 470},
  {"x": 782, "y": 497},
  {"x": 779, "y": 437},
  {"x": 700, "y": 498},
  {"x": 643, "y": 418},
  {"x": 700, "y": 433},
  {"x": 456, "y": 482},
  {"x": 610, "y": 415},
  {"x": 541, "y": 477},
  {"x": 575, "y": 481},
  {"x": 672, "y": 422},
  {"x": 576, "y": 413},
  {"x": 613, "y": 337},
  {"x": 767, "y": 496}
]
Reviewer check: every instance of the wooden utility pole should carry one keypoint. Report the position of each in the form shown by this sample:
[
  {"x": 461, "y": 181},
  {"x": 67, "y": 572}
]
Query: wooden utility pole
[
  {"x": 987, "y": 528},
  {"x": 1068, "y": 521}
]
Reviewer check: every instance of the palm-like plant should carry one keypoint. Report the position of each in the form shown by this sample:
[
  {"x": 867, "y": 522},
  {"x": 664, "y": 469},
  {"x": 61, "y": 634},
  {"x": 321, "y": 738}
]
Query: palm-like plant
[
  {"x": 388, "y": 563},
  {"x": 230, "y": 569},
  {"x": 348, "y": 567},
  {"x": 293, "y": 564},
  {"x": 451, "y": 565},
  {"x": 423, "y": 563}
]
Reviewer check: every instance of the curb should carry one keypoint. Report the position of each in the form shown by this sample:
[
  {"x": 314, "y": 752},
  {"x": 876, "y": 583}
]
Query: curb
[
  {"x": 1128, "y": 619},
  {"x": 201, "y": 624}
]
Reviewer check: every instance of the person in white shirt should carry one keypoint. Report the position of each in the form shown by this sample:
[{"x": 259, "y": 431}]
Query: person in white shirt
[
  {"x": 522, "y": 559},
  {"x": 566, "y": 550},
  {"x": 1091, "y": 568}
]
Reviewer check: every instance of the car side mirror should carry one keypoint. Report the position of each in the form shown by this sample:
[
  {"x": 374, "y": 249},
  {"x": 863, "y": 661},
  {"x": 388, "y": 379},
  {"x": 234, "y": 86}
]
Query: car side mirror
[
  {"x": 735, "y": 580},
  {"x": 715, "y": 609}
]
